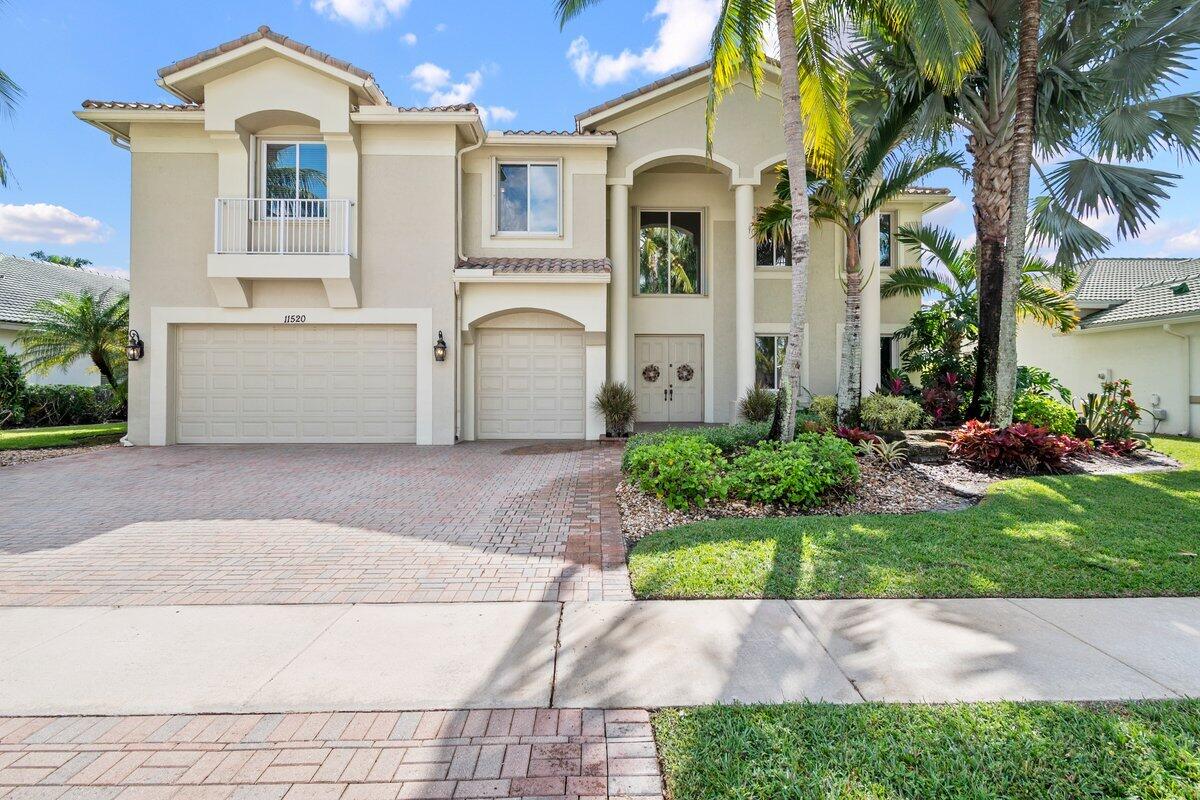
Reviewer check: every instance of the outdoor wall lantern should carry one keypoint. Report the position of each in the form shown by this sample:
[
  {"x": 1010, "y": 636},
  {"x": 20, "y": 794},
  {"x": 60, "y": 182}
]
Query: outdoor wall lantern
[
  {"x": 135, "y": 349},
  {"x": 439, "y": 348}
]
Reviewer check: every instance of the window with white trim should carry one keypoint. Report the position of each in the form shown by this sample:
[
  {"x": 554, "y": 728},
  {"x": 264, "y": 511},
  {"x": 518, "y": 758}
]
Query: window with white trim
[
  {"x": 528, "y": 197},
  {"x": 768, "y": 360},
  {"x": 885, "y": 240},
  {"x": 296, "y": 174}
]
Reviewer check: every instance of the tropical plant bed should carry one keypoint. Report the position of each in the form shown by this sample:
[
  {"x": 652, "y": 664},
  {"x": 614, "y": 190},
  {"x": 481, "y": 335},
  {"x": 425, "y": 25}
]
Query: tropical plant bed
[
  {"x": 1022, "y": 751},
  {"x": 1082, "y": 535},
  {"x": 880, "y": 491}
]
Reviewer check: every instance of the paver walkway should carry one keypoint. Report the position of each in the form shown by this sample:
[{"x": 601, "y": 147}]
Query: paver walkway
[
  {"x": 548, "y": 753},
  {"x": 313, "y": 524}
]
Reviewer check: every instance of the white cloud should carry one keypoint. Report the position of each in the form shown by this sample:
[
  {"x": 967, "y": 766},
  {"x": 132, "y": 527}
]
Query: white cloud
[
  {"x": 497, "y": 114},
  {"x": 409, "y": 39},
  {"x": 948, "y": 214},
  {"x": 440, "y": 27},
  {"x": 49, "y": 224},
  {"x": 443, "y": 90},
  {"x": 682, "y": 40},
  {"x": 363, "y": 13},
  {"x": 429, "y": 77}
]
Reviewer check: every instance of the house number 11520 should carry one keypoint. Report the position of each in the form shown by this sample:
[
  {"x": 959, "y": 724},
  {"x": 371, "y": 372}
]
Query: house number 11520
[{"x": 293, "y": 319}]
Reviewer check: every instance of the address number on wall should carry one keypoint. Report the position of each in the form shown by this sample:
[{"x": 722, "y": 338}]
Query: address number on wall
[{"x": 294, "y": 319}]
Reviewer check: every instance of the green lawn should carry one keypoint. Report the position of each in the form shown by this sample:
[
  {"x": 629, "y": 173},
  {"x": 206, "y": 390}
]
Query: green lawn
[
  {"x": 1039, "y": 751},
  {"x": 1067, "y": 536},
  {"x": 68, "y": 436}
]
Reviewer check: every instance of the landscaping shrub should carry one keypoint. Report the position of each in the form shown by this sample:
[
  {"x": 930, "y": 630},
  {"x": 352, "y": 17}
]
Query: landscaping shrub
[
  {"x": 54, "y": 405},
  {"x": 889, "y": 414},
  {"x": 945, "y": 398},
  {"x": 1045, "y": 412},
  {"x": 758, "y": 405},
  {"x": 1111, "y": 414},
  {"x": 679, "y": 470},
  {"x": 797, "y": 473},
  {"x": 616, "y": 403},
  {"x": 1035, "y": 380},
  {"x": 12, "y": 386},
  {"x": 726, "y": 438},
  {"x": 824, "y": 408},
  {"x": 1121, "y": 447},
  {"x": 1021, "y": 445}
]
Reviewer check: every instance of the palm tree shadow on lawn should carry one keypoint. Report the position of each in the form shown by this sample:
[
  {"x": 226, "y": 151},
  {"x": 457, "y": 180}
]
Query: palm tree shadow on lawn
[{"x": 1067, "y": 536}]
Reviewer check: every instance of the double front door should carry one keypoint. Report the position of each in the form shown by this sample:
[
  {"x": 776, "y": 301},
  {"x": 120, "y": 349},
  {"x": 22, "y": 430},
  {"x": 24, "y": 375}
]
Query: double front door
[{"x": 670, "y": 378}]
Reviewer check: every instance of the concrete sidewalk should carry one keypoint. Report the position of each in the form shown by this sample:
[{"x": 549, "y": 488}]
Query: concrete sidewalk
[{"x": 207, "y": 659}]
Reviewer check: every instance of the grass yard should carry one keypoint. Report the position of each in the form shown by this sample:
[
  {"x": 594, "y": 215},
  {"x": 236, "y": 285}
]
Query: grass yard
[
  {"x": 1042, "y": 751},
  {"x": 1066, "y": 536},
  {"x": 68, "y": 436}
]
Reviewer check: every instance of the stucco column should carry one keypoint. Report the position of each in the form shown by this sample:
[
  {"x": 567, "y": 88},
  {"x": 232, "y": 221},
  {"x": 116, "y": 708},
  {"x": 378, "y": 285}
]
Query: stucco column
[
  {"x": 871, "y": 374},
  {"x": 744, "y": 257},
  {"x": 618, "y": 294}
]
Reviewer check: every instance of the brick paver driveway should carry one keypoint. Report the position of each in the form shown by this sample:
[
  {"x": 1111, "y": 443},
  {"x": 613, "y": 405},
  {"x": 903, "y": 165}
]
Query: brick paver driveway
[{"x": 313, "y": 524}]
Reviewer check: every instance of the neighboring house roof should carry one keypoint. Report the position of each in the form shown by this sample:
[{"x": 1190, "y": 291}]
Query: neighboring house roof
[
  {"x": 1132, "y": 290},
  {"x": 538, "y": 265},
  {"x": 24, "y": 281},
  {"x": 1104, "y": 281}
]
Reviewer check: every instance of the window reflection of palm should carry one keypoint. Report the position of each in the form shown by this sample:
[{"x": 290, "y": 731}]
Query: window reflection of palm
[{"x": 668, "y": 255}]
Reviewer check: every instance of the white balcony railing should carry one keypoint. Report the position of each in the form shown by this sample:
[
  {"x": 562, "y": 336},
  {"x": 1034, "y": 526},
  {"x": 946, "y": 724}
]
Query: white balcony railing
[{"x": 257, "y": 225}]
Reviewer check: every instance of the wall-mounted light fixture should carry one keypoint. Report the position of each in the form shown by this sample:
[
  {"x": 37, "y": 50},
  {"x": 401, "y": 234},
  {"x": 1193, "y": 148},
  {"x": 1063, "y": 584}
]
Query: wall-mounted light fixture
[
  {"x": 135, "y": 348},
  {"x": 439, "y": 348}
]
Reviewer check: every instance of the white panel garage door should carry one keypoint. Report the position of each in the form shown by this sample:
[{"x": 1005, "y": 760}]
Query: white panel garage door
[
  {"x": 295, "y": 383},
  {"x": 529, "y": 383}
]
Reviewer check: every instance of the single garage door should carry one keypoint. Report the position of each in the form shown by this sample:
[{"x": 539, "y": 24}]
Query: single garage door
[
  {"x": 529, "y": 384},
  {"x": 295, "y": 383}
]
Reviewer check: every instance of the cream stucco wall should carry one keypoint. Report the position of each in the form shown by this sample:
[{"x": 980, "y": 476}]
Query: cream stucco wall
[{"x": 1153, "y": 359}]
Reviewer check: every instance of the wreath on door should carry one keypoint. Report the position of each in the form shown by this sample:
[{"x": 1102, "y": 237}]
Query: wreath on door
[
  {"x": 651, "y": 374},
  {"x": 685, "y": 372}
]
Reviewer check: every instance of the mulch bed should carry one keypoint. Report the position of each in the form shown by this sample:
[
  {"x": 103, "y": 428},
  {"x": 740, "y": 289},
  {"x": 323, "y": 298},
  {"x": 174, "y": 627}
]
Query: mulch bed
[
  {"x": 911, "y": 489},
  {"x": 10, "y": 458}
]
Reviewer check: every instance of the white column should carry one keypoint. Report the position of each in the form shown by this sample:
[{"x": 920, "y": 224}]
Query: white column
[
  {"x": 744, "y": 252},
  {"x": 871, "y": 374},
  {"x": 618, "y": 294}
]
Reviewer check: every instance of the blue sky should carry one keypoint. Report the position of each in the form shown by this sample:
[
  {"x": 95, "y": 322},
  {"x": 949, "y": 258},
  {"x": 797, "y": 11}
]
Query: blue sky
[{"x": 71, "y": 189}]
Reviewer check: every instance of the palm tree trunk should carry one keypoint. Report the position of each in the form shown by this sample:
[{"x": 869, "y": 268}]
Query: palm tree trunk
[
  {"x": 106, "y": 372},
  {"x": 850, "y": 372},
  {"x": 1014, "y": 257},
  {"x": 793, "y": 136},
  {"x": 991, "y": 178}
]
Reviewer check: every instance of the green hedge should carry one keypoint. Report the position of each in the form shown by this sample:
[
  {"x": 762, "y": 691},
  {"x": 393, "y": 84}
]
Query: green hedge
[
  {"x": 1045, "y": 412},
  {"x": 726, "y": 438},
  {"x": 56, "y": 405}
]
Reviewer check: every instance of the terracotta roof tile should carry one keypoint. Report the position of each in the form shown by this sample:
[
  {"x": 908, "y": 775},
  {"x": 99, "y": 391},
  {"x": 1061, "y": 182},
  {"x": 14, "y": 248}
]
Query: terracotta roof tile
[
  {"x": 439, "y": 109},
  {"x": 556, "y": 133},
  {"x": 538, "y": 265},
  {"x": 264, "y": 32},
  {"x": 932, "y": 190},
  {"x": 641, "y": 90},
  {"x": 135, "y": 105}
]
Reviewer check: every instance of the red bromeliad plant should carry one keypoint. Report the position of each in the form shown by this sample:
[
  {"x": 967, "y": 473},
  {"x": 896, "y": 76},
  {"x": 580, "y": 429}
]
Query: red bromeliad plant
[
  {"x": 1021, "y": 446},
  {"x": 856, "y": 435}
]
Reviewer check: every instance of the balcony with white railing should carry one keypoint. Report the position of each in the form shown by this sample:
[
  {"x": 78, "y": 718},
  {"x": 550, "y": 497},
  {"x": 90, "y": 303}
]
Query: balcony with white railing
[
  {"x": 263, "y": 226},
  {"x": 257, "y": 238}
]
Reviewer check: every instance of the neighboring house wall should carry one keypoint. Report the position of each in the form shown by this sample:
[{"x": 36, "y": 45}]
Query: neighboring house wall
[
  {"x": 80, "y": 373},
  {"x": 1156, "y": 361}
]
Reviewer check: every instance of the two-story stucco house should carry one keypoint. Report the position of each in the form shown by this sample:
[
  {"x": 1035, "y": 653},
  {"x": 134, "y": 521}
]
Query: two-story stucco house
[{"x": 302, "y": 249}]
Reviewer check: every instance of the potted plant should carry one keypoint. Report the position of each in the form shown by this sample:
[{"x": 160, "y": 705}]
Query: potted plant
[{"x": 616, "y": 403}]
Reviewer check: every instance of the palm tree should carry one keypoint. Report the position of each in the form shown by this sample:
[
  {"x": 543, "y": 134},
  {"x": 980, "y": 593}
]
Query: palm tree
[
  {"x": 85, "y": 325},
  {"x": 10, "y": 95},
  {"x": 1105, "y": 76},
  {"x": 950, "y": 276},
  {"x": 865, "y": 172},
  {"x": 809, "y": 31},
  {"x": 66, "y": 261},
  {"x": 1014, "y": 258}
]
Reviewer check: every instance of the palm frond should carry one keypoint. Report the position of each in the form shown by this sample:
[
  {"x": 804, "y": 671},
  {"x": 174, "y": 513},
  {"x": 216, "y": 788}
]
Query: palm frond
[
  {"x": 913, "y": 282},
  {"x": 1136, "y": 131},
  {"x": 931, "y": 241},
  {"x": 1046, "y": 305},
  {"x": 1051, "y": 224},
  {"x": 905, "y": 173},
  {"x": 1087, "y": 187},
  {"x": 567, "y": 10},
  {"x": 738, "y": 43}
]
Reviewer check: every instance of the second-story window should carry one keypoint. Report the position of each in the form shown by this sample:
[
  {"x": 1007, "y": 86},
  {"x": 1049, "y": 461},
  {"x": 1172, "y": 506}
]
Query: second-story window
[
  {"x": 527, "y": 198},
  {"x": 670, "y": 252},
  {"x": 295, "y": 176},
  {"x": 774, "y": 254},
  {"x": 885, "y": 240}
]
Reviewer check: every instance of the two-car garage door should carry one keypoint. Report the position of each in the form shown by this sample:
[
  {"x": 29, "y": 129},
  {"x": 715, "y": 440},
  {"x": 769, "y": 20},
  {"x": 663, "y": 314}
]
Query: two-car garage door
[{"x": 295, "y": 383}]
